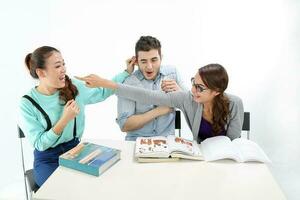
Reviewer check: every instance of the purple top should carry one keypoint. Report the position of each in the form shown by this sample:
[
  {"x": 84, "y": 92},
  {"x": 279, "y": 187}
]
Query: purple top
[{"x": 205, "y": 130}]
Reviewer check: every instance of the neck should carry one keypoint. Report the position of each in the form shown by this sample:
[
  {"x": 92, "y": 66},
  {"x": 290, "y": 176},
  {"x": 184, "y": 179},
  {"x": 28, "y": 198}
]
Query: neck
[
  {"x": 46, "y": 90},
  {"x": 207, "y": 107},
  {"x": 207, "y": 111}
]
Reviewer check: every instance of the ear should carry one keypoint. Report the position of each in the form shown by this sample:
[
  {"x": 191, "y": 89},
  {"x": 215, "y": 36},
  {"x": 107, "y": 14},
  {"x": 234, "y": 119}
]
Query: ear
[
  {"x": 216, "y": 93},
  {"x": 40, "y": 72},
  {"x": 136, "y": 61}
]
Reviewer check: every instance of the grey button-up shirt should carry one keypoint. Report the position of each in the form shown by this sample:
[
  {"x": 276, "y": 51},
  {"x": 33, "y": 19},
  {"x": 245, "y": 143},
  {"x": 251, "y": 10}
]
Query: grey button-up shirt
[{"x": 163, "y": 125}]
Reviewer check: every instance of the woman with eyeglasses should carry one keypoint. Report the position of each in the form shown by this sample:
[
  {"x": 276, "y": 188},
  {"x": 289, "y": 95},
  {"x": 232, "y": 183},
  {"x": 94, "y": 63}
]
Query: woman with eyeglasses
[{"x": 208, "y": 110}]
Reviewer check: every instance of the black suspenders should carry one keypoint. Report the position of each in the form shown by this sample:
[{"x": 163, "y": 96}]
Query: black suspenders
[
  {"x": 49, "y": 125},
  {"x": 74, "y": 129}
]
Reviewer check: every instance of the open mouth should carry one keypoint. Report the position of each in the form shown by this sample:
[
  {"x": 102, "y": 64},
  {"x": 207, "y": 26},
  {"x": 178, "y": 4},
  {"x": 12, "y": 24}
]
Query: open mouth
[
  {"x": 62, "y": 78},
  {"x": 149, "y": 73}
]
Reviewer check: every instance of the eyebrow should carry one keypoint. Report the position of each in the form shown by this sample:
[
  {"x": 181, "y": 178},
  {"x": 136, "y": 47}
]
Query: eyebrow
[
  {"x": 200, "y": 84},
  {"x": 58, "y": 62},
  {"x": 153, "y": 58}
]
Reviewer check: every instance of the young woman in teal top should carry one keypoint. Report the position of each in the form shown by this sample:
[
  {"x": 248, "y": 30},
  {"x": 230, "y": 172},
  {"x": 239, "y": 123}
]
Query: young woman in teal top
[{"x": 63, "y": 100}]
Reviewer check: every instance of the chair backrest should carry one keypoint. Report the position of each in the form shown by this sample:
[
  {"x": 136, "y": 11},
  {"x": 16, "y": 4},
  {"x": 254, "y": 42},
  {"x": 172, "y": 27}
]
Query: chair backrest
[
  {"x": 30, "y": 184},
  {"x": 246, "y": 124},
  {"x": 178, "y": 119},
  {"x": 178, "y": 122},
  {"x": 20, "y": 133}
]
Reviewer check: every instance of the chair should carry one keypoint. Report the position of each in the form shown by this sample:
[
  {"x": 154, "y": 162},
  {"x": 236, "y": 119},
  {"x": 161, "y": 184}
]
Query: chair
[
  {"x": 246, "y": 124},
  {"x": 245, "y": 127},
  {"x": 30, "y": 184},
  {"x": 178, "y": 122}
]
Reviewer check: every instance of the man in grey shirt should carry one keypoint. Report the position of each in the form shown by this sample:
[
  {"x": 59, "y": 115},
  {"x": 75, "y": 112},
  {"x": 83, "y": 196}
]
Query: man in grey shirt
[{"x": 138, "y": 119}]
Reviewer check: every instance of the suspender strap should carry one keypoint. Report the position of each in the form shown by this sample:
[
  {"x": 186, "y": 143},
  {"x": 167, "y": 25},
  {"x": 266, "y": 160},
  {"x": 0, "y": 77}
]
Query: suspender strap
[
  {"x": 41, "y": 110},
  {"x": 74, "y": 129},
  {"x": 49, "y": 125}
]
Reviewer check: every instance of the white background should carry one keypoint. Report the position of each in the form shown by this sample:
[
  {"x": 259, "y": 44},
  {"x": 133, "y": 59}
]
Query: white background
[{"x": 257, "y": 42}]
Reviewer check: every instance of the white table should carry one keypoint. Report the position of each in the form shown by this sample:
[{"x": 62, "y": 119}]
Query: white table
[{"x": 129, "y": 180}]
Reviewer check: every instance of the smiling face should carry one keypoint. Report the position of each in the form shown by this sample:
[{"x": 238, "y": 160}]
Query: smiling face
[
  {"x": 203, "y": 95},
  {"x": 53, "y": 76},
  {"x": 149, "y": 63}
]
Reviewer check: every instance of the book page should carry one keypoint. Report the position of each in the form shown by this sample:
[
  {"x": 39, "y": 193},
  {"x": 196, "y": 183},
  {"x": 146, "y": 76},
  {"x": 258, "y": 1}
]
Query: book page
[
  {"x": 178, "y": 145},
  {"x": 219, "y": 147},
  {"x": 250, "y": 151},
  {"x": 151, "y": 147}
]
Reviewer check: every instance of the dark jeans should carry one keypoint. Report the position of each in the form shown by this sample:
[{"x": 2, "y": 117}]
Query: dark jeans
[{"x": 45, "y": 162}]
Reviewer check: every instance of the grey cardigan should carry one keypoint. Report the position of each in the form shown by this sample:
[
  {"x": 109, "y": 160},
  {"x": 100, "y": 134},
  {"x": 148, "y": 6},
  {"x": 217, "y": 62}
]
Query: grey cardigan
[{"x": 191, "y": 109}]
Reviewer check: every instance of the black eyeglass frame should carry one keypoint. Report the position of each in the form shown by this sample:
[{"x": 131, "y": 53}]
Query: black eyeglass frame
[{"x": 199, "y": 88}]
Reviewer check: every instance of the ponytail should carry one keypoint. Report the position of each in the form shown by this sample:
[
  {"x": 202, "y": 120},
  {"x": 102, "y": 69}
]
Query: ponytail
[
  {"x": 220, "y": 113},
  {"x": 69, "y": 92}
]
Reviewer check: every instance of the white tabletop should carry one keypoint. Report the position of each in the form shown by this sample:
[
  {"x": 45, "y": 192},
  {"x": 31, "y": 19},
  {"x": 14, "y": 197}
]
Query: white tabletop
[{"x": 185, "y": 179}]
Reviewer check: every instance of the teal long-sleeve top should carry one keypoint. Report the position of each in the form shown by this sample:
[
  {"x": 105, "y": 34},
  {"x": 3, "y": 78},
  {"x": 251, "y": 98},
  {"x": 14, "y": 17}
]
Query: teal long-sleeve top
[{"x": 33, "y": 123}]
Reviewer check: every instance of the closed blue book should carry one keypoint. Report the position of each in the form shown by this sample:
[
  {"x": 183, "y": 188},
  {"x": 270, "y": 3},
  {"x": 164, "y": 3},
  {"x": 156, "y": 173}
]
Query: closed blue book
[{"x": 90, "y": 158}]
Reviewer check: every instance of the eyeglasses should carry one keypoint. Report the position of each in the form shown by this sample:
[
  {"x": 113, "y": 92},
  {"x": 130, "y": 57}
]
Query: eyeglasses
[{"x": 199, "y": 87}]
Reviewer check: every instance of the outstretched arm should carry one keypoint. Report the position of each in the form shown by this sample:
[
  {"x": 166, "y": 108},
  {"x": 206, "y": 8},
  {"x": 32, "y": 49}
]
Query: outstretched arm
[
  {"x": 94, "y": 81},
  {"x": 100, "y": 93},
  {"x": 173, "y": 99}
]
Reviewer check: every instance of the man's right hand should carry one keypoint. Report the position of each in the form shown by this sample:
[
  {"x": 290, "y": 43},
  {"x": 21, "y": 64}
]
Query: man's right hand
[{"x": 130, "y": 63}]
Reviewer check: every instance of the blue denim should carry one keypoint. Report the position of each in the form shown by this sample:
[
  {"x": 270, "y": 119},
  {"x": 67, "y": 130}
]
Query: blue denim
[{"x": 45, "y": 162}]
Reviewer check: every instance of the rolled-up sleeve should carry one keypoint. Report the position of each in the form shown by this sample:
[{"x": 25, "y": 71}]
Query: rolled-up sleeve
[{"x": 126, "y": 108}]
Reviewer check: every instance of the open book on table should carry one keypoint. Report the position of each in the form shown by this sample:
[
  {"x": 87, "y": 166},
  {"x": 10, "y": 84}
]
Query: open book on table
[
  {"x": 240, "y": 150},
  {"x": 170, "y": 148}
]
